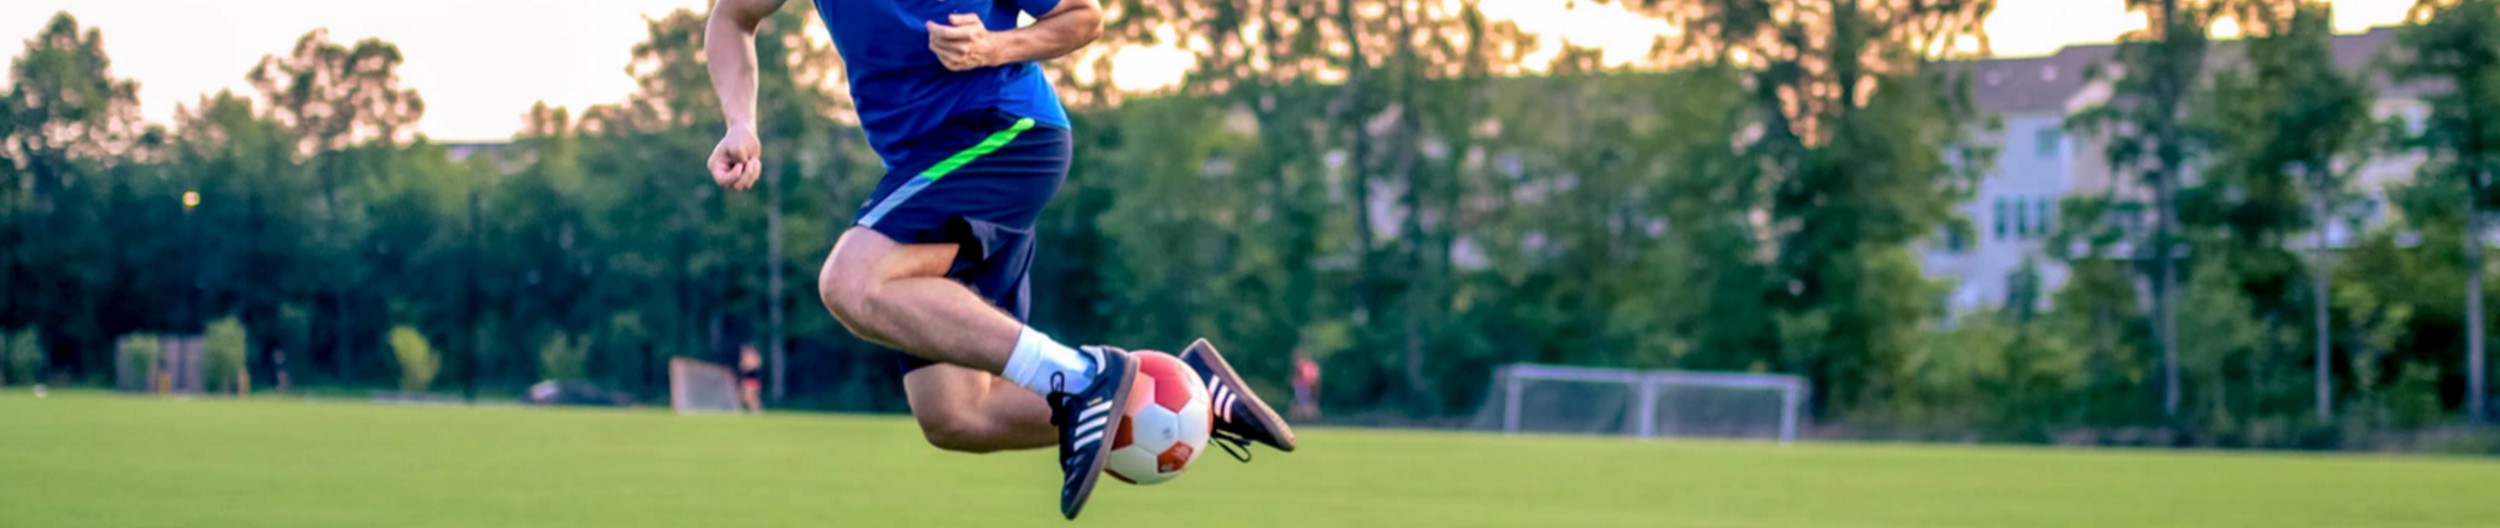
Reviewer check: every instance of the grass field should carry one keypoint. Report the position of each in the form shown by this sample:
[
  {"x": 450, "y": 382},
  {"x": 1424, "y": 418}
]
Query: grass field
[{"x": 99, "y": 460}]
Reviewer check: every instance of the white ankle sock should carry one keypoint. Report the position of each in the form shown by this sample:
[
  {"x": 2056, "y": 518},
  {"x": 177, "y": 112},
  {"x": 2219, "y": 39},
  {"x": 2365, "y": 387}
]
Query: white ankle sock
[{"x": 1037, "y": 358}]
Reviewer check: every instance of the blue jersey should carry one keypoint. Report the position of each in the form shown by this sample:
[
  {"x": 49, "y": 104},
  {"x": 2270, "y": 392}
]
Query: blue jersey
[{"x": 904, "y": 93}]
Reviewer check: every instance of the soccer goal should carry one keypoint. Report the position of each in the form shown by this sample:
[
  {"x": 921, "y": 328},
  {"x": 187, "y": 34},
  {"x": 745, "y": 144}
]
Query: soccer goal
[
  {"x": 1653, "y": 403},
  {"x": 698, "y": 387}
]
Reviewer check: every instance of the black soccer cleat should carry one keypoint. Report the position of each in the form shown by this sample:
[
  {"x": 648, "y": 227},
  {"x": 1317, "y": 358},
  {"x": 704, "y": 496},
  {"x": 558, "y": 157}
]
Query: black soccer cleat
[
  {"x": 1085, "y": 419},
  {"x": 1240, "y": 418}
]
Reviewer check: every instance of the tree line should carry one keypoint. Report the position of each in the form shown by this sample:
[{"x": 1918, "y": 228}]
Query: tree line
[{"x": 1390, "y": 186}]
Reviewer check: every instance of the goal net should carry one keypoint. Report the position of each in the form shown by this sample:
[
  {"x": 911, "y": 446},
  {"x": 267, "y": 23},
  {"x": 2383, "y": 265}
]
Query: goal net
[
  {"x": 698, "y": 387},
  {"x": 1653, "y": 403}
]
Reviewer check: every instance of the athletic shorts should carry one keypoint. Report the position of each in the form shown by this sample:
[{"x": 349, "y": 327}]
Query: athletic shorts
[{"x": 984, "y": 196}]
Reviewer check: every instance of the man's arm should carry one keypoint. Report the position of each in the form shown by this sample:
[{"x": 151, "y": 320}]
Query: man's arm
[
  {"x": 729, "y": 50},
  {"x": 966, "y": 44}
]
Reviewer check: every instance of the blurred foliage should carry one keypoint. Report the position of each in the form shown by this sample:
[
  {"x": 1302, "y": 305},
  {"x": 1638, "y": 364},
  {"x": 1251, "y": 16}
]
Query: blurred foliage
[
  {"x": 221, "y": 359},
  {"x": 21, "y": 359},
  {"x": 417, "y": 362},
  {"x": 139, "y": 355},
  {"x": 2456, "y": 44},
  {"x": 563, "y": 357},
  {"x": 1389, "y": 186}
]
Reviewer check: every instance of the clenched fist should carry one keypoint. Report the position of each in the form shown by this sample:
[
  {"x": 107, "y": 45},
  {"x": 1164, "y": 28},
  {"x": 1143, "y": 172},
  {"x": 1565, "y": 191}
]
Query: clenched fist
[{"x": 738, "y": 160}]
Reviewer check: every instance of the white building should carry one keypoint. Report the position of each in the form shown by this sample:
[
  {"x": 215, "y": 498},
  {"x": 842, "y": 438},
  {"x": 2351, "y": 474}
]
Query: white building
[{"x": 2038, "y": 162}]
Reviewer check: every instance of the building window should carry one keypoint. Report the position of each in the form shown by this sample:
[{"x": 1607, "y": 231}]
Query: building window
[
  {"x": 2048, "y": 215},
  {"x": 2000, "y": 218},
  {"x": 2014, "y": 212},
  {"x": 2022, "y": 218},
  {"x": 2046, "y": 142},
  {"x": 2031, "y": 222}
]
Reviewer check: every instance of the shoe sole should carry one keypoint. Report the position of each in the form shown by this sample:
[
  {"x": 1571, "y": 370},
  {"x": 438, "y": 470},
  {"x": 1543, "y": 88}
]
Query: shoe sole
[
  {"x": 1265, "y": 415},
  {"x": 1102, "y": 448}
]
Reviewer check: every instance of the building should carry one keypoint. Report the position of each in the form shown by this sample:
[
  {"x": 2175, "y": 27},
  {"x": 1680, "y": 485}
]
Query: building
[{"x": 2039, "y": 162}]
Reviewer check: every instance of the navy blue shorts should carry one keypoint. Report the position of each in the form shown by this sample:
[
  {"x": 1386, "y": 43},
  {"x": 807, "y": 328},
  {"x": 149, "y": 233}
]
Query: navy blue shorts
[{"x": 984, "y": 196}]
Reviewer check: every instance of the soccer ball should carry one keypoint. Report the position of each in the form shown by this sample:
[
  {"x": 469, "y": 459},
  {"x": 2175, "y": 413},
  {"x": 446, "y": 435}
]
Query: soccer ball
[{"x": 1167, "y": 424}]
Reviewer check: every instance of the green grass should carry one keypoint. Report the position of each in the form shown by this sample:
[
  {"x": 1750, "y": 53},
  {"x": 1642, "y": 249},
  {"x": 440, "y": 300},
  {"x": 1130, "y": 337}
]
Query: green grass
[{"x": 99, "y": 460}]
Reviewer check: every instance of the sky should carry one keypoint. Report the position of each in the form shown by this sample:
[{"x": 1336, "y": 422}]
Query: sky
[{"x": 480, "y": 64}]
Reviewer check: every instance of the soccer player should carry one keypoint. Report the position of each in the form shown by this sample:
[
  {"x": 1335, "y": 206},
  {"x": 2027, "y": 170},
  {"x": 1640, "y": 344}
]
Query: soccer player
[
  {"x": 750, "y": 379},
  {"x": 1305, "y": 386},
  {"x": 974, "y": 143}
]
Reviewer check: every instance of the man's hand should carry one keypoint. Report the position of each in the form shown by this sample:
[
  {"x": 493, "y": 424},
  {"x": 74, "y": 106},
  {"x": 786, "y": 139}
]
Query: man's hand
[
  {"x": 738, "y": 160},
  {"x": 963, "y": 44},
  {"x": 729, "y": 54}
]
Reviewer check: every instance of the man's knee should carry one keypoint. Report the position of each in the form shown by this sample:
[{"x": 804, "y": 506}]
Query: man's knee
[
  {"x": 846, "y": 290},
  {"x": 851, "y": 284},
  {"x": 957, "y": 431}
]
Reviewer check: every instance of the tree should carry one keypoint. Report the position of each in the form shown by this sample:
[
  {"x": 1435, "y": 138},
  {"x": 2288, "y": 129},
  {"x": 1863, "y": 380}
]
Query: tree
[
  {"x": 2457, "y": 44},
  {"x": 2100, "y": 304},
  {"x": 1851, "y": 166},
  {"x": 71, "y": 123},
  {"x": 1263, "y": 69},
  {"x": 658, "y": 245},
  {"x": 241, "y": 242},
  {"x": 1366, "y": 108},
  {"x": 334, "y": 97},
  {"x": 2158, "y": 70},
  {"x": 2227, "y": 335},
  {"x": 675, "y": 262},
  {"x": 2403, "y": 308},
  {"x": 223, "y": 344},
  {"x": 2289, "y": 117},
  {"x": 796, "y": 89}
]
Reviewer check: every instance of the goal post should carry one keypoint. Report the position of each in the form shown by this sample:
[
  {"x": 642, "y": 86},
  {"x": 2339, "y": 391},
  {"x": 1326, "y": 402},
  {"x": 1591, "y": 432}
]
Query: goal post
[
  {"x": 695, "y": 386},
  {"x": 1645, "y": 404}
]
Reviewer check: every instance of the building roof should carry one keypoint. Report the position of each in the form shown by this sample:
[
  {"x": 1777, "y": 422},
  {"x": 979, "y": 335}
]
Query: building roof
[
  {"x": 2047, "y": 84},
  {"x": 2036, "y": 84}
]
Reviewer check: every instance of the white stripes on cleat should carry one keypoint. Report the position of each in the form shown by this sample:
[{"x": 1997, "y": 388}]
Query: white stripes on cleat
[
  {"x": 1224, "y": 401},
  {"x": 1089, "y": 425}
]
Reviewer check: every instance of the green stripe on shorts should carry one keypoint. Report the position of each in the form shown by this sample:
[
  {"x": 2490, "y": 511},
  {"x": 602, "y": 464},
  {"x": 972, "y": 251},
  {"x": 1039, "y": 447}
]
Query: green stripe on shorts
[
  {"x": 987, "y": 146},
  {"x": 944, "y": 167}
]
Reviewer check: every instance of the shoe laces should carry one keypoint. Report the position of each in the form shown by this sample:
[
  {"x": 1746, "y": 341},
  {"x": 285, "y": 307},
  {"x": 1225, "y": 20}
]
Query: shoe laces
[
  {"x": 1059, "y": 398},
  {"x": 1062, "y": 406},
  {"x": 1233, "y": 444}
]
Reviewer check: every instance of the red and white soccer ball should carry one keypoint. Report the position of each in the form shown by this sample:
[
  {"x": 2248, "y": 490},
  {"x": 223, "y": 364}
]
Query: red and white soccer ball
[{"x": 1167, "y": 422}]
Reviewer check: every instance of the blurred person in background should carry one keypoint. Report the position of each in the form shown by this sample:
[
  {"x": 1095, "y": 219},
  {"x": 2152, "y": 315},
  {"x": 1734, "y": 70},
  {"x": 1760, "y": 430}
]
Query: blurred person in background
[
  {"x": 1305, "y": 385},
  {"x": 277, "y": 368},
  {"x": 750, "y": 379}
]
